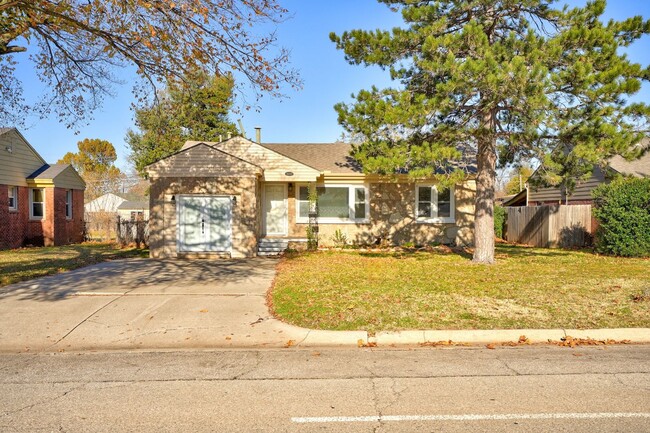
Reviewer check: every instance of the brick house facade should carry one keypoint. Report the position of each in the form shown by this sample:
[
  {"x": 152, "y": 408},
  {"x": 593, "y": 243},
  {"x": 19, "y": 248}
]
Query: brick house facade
[{"x": 41, "y": 204}]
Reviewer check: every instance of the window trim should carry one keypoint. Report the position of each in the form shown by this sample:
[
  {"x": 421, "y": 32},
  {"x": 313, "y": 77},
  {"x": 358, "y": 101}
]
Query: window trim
[
  {"x": 351, "y": 204},
  {"x": 434, "y": 208},
  {"x": 14, "y": 190},
  {"x": 68, "y": 204},
  {"x": 31, "y": 204}
]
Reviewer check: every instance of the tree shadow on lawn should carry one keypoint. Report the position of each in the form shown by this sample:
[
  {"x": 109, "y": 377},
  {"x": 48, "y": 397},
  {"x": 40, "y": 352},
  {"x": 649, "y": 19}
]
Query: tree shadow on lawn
[{"x": 503, "y": 251}]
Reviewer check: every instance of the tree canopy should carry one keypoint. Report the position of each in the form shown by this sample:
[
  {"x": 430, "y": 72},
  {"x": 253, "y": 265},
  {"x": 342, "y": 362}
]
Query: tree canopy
[
  {"x": 77, "y": 46},
  {"x": 517, "y": 179},
  {"x": 95, "y": 162},
  {"x": 195, "y": 109},
  {"x": 507, "y": 80}
]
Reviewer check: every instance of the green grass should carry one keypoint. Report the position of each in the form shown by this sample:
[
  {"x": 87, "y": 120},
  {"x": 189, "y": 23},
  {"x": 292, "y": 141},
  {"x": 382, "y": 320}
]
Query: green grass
[
  {"x": 527, "y": 288},
  {"x": 28, "y": 263}
]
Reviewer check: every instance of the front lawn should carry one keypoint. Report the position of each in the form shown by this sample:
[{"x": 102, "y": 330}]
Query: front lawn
[
  {"x": 28, "y": 263},
  {"x": 527, "y": 288}
]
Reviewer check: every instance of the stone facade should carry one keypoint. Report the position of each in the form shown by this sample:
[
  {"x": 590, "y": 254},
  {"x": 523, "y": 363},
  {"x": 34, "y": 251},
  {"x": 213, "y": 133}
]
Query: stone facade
[
  {"x": 163, "y": 237},
  {"x": 392, "y": 219}
]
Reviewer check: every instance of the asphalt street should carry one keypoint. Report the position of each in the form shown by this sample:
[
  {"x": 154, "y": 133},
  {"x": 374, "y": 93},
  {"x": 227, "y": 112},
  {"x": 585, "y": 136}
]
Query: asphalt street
[{"x": 527, "y": 389}]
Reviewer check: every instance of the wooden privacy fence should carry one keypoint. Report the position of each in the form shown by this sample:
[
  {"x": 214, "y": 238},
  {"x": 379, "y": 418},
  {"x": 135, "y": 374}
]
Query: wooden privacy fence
[{"x": 549, "y": 226}]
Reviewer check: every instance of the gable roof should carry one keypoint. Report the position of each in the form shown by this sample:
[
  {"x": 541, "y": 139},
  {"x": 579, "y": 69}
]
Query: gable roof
[
  {"x": 133, "y": 204},
  {"x": 637, "y": 167},
  {"x": 61, "y": 175},
  {"x": 104, "y": 203},
  {"x": 312, "y": 158},
  {"x": 332, "y": 157},
  {"x": 48, "y": 171},
  {"x": 202, "y": 159}
]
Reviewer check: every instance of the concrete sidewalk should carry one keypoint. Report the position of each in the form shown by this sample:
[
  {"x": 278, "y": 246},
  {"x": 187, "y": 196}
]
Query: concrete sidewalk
[{"x": 176, "y": 304}]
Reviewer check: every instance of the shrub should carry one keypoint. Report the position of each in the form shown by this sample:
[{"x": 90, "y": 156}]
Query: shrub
[
  {"x": 622, "y": 209},
  {"x": 499, "y": 221},
  {"x": 340, "y": 239}
]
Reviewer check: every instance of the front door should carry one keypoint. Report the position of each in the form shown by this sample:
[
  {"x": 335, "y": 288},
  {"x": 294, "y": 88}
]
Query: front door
[
  {"x": 275, "y": 206},
  {"x": 204, "y": 223}
]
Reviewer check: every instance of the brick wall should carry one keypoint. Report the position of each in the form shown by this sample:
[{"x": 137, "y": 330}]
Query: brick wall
[
  {"x": 67, "y": 231},
  {"x": 13, "y": 224},
  {"x": 17, "y": 230}
]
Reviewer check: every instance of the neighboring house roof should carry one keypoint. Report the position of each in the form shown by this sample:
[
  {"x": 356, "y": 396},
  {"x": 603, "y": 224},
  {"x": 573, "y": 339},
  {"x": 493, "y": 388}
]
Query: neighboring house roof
[
  {"x": 3, "y": 130},
  {"x": 61, "y": 175},
  {"x": 48, "y": 171},
  {"x": 133, "y": 205},
  {"x": 518, "y": 199},
  {"x": 638, "y": 167},
  {"x": 106, "y": 203}
]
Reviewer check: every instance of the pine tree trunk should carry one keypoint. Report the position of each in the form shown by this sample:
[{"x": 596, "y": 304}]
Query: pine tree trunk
[{"x": 484, "y": 211}]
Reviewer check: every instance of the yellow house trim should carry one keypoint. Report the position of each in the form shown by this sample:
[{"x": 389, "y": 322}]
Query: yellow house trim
[{"x": 40, "y": 183}]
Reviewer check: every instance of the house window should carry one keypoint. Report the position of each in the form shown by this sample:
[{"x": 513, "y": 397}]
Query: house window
[
  {"x": 132, "y": 216},
  {"x": 36, "y": 204},
  {"x": 336, "y": 204},
  {"x": 13, "y": 198},
  {"x": 433, "y": 204},
  {"x": 68, "y": 204}
]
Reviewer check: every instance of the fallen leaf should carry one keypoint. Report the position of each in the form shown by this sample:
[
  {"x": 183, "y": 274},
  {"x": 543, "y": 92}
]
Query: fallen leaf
[
  {"x": 491, "y": 346},
  {"x": 290, "y": 343},
  {"x": 228, "y": 338},
  {"x": 203, "y": 310}
]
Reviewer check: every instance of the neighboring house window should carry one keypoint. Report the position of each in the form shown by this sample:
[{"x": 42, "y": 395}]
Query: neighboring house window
[
  {"x": 36, "y": 204},
  {"x": 340, "y": 203},
  {"x": 433, "y": 205},
  {"x": 13, "y": 198},
  {"x": 68, "y": 204},
  {"x": 132, "y": 216}
]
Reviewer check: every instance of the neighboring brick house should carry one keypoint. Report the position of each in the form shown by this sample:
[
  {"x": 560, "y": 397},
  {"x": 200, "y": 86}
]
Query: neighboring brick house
[
  {"x": 42, "y": 204},
  {"x": 240, "y": 198}
]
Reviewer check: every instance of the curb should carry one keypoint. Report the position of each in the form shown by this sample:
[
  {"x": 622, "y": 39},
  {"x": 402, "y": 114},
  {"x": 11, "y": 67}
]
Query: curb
[{"x": 411, "y": 338}]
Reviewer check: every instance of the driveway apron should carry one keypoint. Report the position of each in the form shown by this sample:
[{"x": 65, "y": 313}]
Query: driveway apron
[{"x": 145, "y": 304}]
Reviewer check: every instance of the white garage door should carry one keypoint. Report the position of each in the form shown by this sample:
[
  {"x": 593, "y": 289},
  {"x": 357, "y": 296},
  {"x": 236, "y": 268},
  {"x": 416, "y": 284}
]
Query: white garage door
[{"x": 204, "y": 224}]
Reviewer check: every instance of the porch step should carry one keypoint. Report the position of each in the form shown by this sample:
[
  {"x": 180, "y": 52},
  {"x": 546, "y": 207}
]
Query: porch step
[
  {"x": 271, "y": 247},
  {"x": 274, "y": 246}
]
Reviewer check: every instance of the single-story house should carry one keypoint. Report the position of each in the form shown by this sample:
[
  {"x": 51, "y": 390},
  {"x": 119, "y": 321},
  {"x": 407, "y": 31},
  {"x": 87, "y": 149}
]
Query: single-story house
[
  {"x": 106, "y": 203},
  {"x": 133, "y": 210},
  {"x": 42, "y": 203},
  {"x": 236, "y": 197},
  {"x": 538, "y": 196}
]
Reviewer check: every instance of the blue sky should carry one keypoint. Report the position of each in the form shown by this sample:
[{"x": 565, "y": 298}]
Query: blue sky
[{"x": 307, "y": 115}]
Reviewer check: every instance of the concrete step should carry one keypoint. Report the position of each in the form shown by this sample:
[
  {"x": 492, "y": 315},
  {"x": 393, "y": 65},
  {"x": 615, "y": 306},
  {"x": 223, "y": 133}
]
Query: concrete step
[
  {"x": 271, "y": 249},
  {"x": 268, "y": 253}
]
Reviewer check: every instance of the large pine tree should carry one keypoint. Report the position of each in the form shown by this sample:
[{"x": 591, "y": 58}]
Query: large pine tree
[{"x": 506, "y": 80}]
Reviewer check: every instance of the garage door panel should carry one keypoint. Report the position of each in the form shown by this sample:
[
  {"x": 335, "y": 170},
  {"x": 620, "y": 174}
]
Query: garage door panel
[
  {"x": 218, "y": 213},
  {"x": 204, "y": 224}
]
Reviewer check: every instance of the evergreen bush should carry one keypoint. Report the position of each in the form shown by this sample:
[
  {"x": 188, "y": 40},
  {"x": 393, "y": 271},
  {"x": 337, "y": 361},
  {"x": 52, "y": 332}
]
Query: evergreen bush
[{"x": 622, "y": 209}]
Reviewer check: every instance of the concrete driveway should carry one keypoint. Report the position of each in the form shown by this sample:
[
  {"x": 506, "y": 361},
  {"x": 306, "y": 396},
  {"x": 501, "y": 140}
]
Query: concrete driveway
[{"x": 151, "y": 304}]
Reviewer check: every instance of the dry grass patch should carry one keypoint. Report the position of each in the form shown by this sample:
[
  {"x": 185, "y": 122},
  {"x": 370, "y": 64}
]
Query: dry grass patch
[{"x": 527, "y": 288}]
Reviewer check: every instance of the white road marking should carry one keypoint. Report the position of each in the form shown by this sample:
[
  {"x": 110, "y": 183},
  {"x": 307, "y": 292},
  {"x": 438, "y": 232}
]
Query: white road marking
[{"x": 470, "y": 417}]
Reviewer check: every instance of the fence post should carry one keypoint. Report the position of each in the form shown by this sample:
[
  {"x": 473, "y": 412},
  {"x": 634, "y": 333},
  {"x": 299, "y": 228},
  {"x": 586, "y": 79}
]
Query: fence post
[{"x": 118, "y": 232}]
